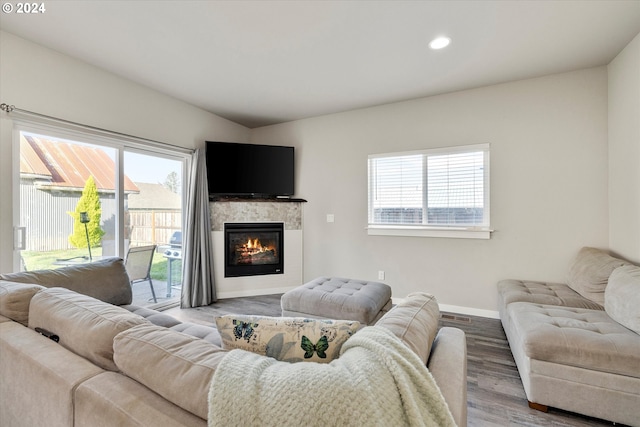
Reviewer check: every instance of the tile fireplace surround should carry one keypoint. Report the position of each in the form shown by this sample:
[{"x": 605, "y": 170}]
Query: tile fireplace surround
[{"x": 263, "y": 210}]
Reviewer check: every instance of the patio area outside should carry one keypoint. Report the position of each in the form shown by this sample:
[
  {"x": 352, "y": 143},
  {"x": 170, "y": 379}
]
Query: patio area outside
[{"x": 167, "y": 291}]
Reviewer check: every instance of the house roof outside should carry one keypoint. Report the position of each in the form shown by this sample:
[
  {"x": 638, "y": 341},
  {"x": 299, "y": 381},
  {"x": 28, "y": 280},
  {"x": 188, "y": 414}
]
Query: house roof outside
[
  {"x": 67, "y": 166},
  {"x": 155, "y": 197}
]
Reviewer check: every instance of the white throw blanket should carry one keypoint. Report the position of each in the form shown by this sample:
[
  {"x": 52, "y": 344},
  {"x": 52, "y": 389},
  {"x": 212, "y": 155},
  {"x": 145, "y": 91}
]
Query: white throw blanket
[{"x": 377, "y": 381}]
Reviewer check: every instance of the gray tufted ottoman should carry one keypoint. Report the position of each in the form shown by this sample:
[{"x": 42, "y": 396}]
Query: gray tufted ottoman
[{"x": 338, "y": 298}]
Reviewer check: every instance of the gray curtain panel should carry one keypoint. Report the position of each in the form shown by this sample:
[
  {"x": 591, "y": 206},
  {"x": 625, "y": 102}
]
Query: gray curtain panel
[{"x": 198, "y": 287}]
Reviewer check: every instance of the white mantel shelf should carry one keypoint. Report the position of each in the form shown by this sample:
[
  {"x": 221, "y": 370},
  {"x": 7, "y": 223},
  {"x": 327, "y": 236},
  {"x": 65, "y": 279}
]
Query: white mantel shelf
[{"x": 257, "y": 199}]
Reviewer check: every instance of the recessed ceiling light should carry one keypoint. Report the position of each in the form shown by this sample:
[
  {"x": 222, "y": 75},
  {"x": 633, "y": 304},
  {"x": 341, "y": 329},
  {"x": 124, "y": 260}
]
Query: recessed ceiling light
[{"x": 439, "y": 42}]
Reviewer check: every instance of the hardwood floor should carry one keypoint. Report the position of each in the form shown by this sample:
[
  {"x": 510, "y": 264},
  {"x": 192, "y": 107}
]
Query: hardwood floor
[{"x": 495, "y": 393}]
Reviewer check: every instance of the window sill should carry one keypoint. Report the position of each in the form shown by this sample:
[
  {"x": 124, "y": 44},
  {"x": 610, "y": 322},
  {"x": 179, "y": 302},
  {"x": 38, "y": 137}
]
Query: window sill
[{"x": 419, "y": 231}]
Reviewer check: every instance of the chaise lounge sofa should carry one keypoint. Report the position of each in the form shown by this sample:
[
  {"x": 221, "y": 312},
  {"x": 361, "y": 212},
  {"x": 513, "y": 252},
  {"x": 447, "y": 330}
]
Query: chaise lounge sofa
[
  {"x": 112, "y": 364},
  {"x": 577, "y": 344}
]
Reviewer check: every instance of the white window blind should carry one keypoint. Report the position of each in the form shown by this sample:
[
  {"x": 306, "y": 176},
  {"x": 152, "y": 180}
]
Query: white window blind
[{"x": 431, "y": 188}]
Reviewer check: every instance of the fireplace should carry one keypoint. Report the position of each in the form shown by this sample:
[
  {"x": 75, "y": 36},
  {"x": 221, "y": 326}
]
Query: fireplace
[{"x": 253, "y": 248}]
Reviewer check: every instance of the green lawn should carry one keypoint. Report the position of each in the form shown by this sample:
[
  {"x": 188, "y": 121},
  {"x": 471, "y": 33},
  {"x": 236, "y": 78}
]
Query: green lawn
[{"x": 46, "y": 260}]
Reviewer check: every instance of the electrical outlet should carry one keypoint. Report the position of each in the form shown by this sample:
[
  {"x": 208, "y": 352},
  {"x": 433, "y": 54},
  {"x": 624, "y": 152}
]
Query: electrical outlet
[
  {"x": 330, "y": 218},
  {"x": 380, "y": 275}
]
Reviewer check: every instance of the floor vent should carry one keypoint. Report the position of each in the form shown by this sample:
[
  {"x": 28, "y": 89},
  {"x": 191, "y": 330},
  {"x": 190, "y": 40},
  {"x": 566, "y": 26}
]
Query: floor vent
[{"x": 456, "y": 318}]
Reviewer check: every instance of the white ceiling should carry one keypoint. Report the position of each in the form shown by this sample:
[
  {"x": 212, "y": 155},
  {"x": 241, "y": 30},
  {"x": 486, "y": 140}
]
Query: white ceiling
[{"x": 264, "y": 62}]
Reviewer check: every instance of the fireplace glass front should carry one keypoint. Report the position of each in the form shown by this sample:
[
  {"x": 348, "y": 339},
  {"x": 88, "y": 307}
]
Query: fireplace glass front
[{"x": 253, "y": 249}]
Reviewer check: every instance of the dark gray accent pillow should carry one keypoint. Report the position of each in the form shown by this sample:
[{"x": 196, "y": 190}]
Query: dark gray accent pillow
[{"x": 106, "y": 280}]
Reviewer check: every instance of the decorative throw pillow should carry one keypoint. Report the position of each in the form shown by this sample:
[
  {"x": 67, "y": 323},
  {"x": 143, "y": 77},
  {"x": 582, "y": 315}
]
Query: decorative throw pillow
[
  {"x": 288, "y": 339},
  {"x": 106, "y": 280}
]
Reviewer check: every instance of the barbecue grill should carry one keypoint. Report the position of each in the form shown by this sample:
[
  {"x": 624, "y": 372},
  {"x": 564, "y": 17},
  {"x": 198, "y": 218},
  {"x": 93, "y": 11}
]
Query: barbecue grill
[{"x": 172, "y": 253}]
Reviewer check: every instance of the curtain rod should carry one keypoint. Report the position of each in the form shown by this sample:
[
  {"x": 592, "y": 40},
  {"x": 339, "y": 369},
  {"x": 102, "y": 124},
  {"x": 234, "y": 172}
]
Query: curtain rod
[{"x": 11, "y": 108}]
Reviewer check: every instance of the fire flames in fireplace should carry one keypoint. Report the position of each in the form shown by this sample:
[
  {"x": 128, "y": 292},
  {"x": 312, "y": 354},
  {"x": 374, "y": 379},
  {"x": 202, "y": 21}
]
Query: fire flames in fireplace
[
  {"x": 253, "y": 248},
  {"x": 254, "y": 252}
]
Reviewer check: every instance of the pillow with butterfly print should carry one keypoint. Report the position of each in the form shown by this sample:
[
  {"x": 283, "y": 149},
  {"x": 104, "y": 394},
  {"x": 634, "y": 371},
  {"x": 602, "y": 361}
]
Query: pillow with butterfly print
[{"x": 288, "y": 339}]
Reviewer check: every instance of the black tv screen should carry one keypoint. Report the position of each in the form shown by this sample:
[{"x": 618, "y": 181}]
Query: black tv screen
[{"x": 249, "y": 170}]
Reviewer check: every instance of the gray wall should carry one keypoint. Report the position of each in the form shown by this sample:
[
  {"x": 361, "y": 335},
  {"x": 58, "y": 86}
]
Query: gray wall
[
  {"x": 624, "y": 152},
  {"x": 549, "y": 196},
  {"x": 550, "y": 167},
  {"x": 42, "y": 80}
]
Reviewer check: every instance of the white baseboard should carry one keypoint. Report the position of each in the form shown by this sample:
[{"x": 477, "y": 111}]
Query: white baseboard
[
  {"x": 443, "y": 307},
  {"x": 254, "y": 292},
  {"x": 469, "y": 311},
  {"x": 461, "y": 310}
]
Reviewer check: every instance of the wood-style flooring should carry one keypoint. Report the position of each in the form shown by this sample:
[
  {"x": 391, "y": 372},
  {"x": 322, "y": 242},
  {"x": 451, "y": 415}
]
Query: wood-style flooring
[{"x": 495, "y": 393}]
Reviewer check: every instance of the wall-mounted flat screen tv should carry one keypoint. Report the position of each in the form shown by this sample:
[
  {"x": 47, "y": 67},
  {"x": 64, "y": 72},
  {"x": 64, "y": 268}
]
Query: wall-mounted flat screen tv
[{"x": 249, "y": 170}]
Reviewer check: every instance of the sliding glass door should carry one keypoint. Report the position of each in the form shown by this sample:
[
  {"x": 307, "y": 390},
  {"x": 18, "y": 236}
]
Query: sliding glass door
[
  {"x": 83, "y": 198},
  {"x": 153, "y": 214},
  {"x": 68, "y": 210}
]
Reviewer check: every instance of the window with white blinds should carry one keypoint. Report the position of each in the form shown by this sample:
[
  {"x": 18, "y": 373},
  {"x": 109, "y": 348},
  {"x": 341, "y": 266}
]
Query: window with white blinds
[{"x": 446, "y": 188}]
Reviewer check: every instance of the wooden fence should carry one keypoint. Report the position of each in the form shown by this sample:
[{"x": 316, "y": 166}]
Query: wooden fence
[{"x": 153, "y": 227}]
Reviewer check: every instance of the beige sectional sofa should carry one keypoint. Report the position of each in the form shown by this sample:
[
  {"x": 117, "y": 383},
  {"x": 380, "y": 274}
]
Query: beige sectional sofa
[
  {"x": 121, "y": 365},
  {"x": 577, "y": 344}
]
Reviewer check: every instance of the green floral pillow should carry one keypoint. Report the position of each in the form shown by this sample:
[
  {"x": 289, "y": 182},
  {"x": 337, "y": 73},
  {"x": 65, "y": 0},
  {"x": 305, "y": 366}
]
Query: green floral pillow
[{"x": 289, "y": 339}]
